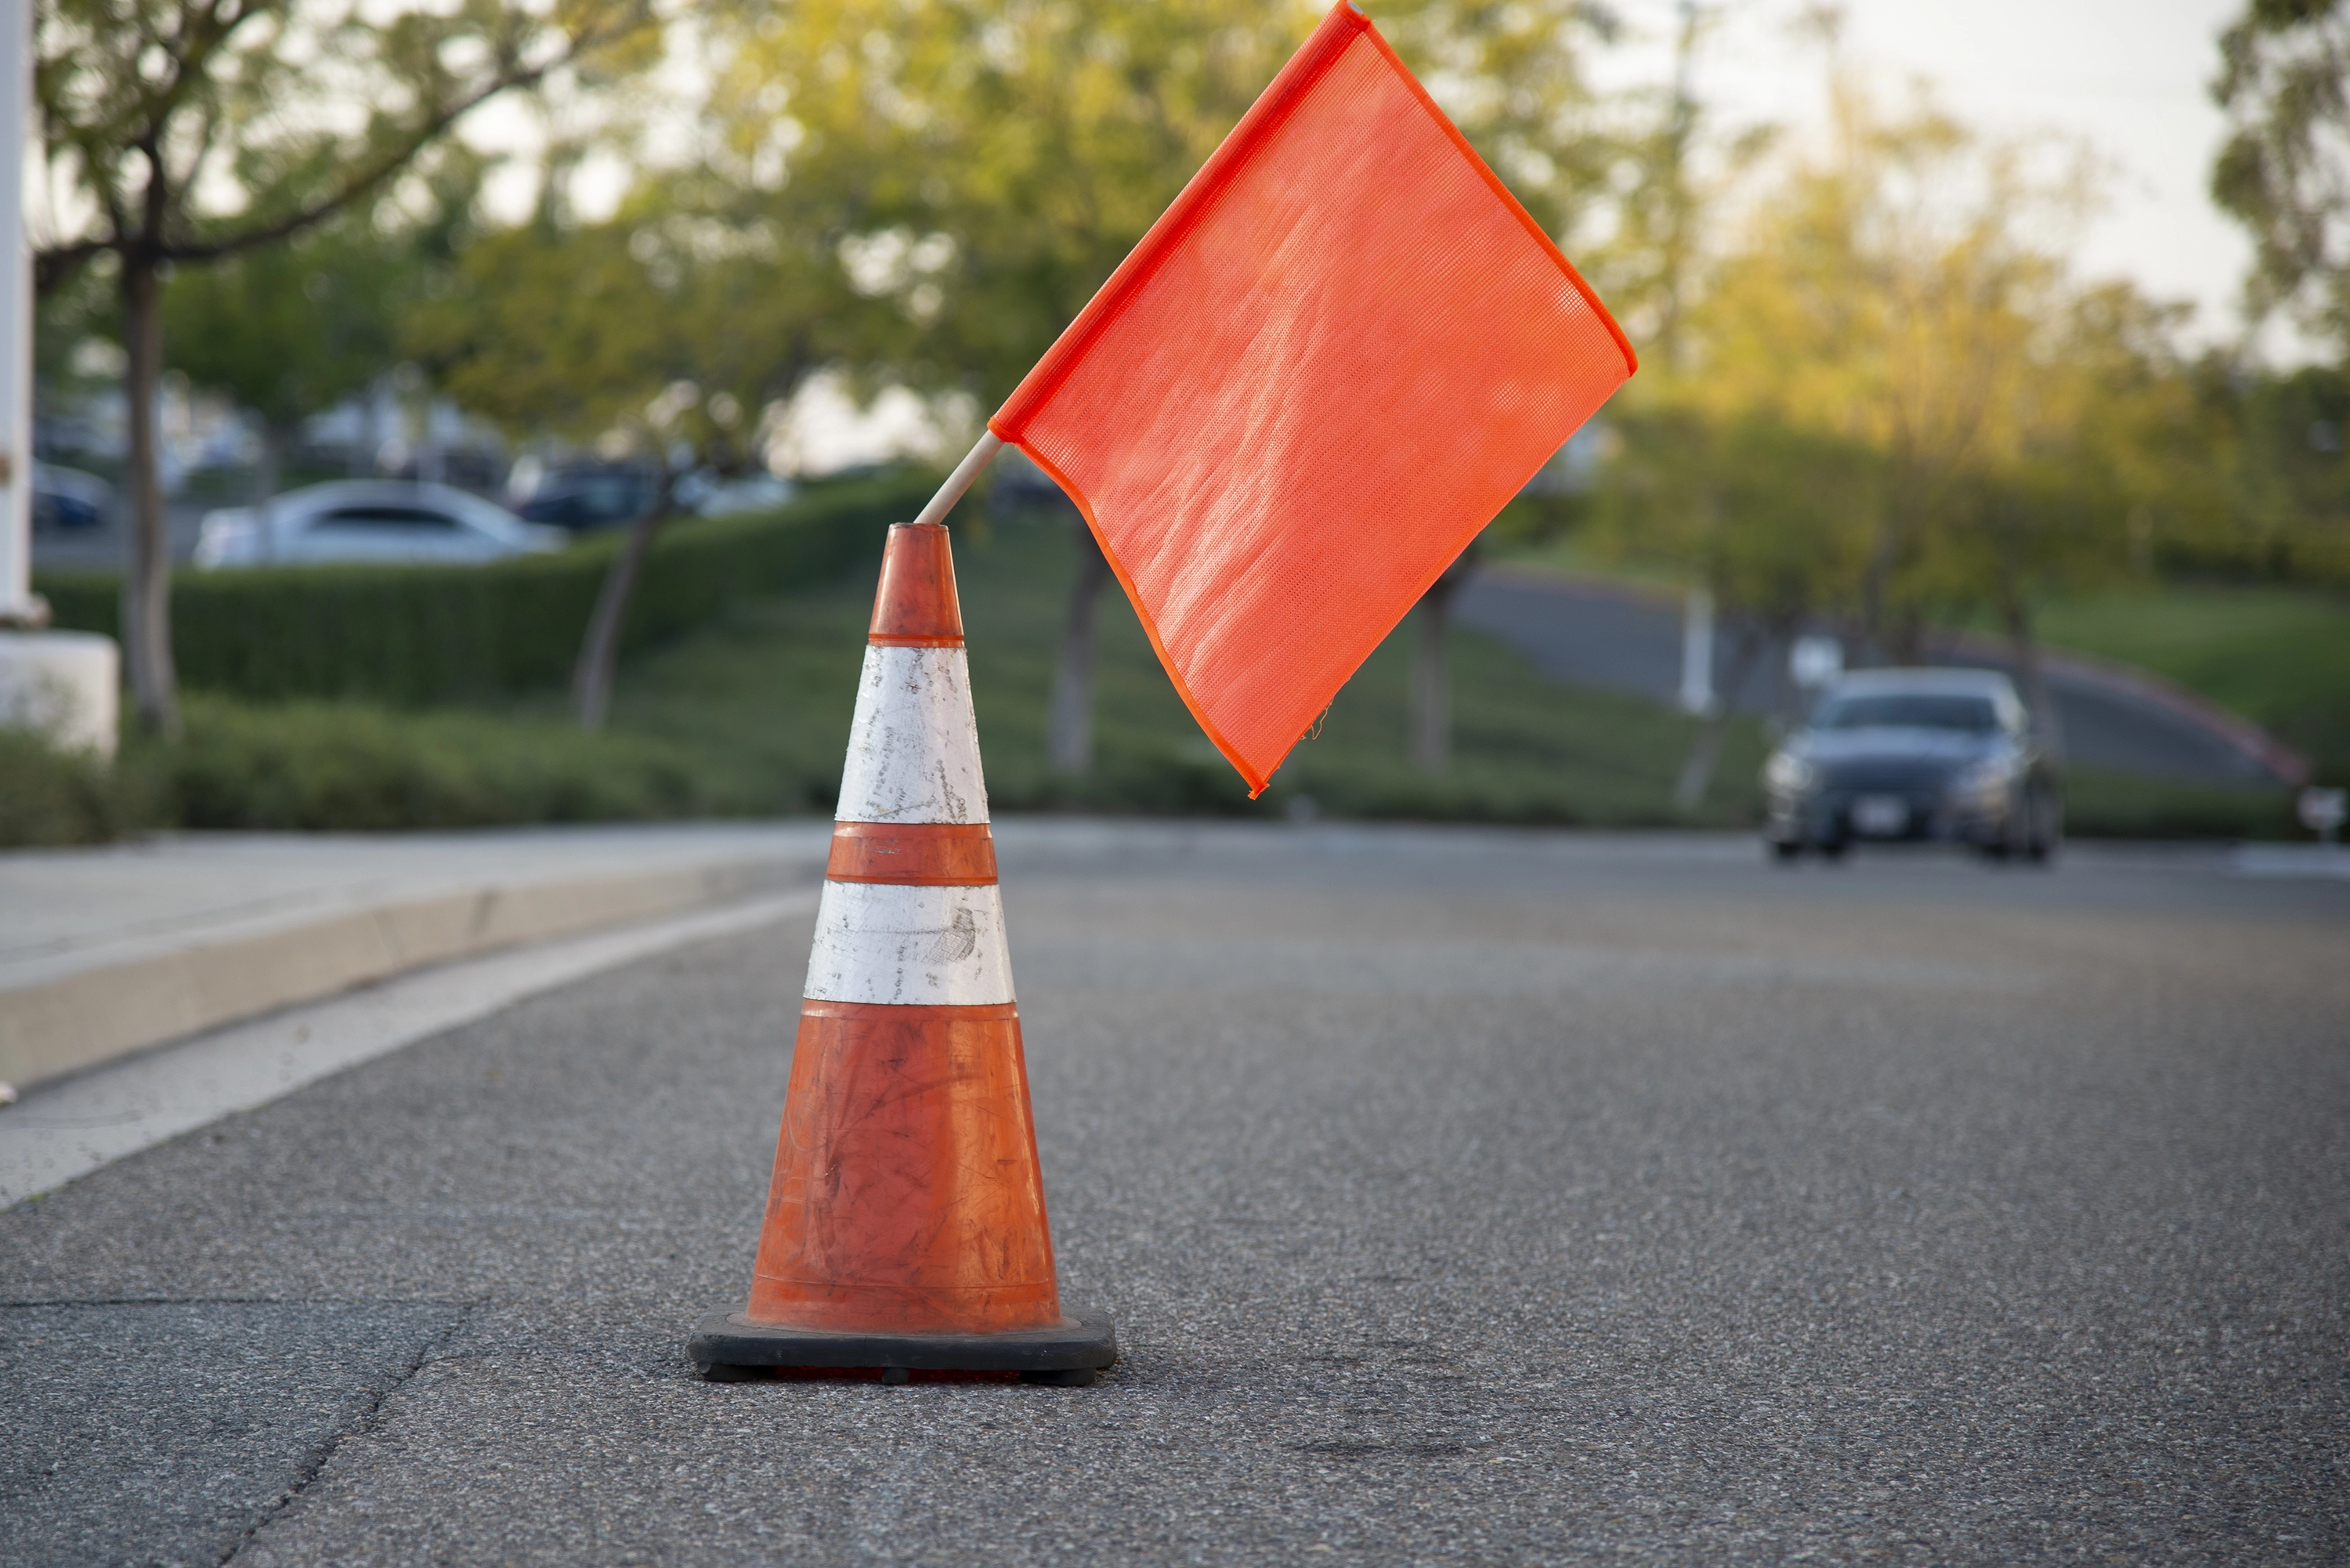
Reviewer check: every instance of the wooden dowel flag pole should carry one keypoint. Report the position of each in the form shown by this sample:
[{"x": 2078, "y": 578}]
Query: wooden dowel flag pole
[
  {"x": 960, "y": 479},
  {"x": 1330, "y": 362}
]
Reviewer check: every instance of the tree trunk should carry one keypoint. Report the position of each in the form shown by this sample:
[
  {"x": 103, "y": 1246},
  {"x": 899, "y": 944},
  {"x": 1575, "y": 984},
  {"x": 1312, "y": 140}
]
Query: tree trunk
[
  {"x": 599, "y": 650},
  {"x": 1705, "y": 751},
  {"x": 1905, "y": 641},
  {"x": 1431, "y": 680},
  {"x": 2023, "y": 645},
  {"x": 1431, "y": 685},
  {"x": 267, "y": 474},
  {"x": 147, "y": 585},
  {"x": 1069, "y": 726}
]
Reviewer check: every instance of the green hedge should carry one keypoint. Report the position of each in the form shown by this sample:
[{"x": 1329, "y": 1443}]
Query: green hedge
[
  {"x": 352, "y": 767},
  {"x": 412, "y": 636},
  {"x": 47, "y": 797}
]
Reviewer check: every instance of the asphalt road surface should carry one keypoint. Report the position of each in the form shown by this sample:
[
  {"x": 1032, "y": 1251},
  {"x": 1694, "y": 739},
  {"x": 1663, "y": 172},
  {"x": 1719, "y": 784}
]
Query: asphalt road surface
[
  {"x": 1461, "y": 1197},
  {"x": 1599, "y": 633}
]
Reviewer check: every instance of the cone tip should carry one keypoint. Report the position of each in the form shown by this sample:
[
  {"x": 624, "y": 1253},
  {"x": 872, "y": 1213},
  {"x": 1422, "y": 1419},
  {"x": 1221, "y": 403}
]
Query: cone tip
[{"x": 916, "y": 604}]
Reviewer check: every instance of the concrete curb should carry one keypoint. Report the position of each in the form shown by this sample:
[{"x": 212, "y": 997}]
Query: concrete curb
[{"x": 95, "y": 1015}]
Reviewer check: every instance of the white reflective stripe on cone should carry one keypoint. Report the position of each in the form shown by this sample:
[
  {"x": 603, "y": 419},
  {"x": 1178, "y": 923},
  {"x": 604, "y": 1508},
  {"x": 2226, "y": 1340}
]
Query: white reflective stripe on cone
[
  {"x": 914, "y": 747},
  {"x": 877, "y": 941}
]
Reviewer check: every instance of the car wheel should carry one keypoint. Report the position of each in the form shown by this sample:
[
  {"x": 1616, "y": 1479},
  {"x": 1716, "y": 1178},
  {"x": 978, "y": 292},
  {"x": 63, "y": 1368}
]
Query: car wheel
[
  {"x": 1786, "y": 851},
  {"x": 2047, "y": 827},
  {"x": 1833, "y": 850},
  {"x": 2014, "y": 839}
]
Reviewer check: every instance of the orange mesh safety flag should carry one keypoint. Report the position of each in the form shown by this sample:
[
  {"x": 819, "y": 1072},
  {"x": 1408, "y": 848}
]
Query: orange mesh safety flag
[{"x": 1328, "y": 364}]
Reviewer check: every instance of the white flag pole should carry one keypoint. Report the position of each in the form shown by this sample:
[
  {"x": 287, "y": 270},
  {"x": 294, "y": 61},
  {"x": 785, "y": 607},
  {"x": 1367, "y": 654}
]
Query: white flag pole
[{"x": 960, "y": 479}]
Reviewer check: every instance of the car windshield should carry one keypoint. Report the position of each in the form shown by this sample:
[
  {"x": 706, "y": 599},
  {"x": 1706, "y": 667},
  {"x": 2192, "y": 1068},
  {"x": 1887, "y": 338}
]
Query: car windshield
[
  {"x": 1907, "y": 711},
  {"x": 385, "y": 517}
]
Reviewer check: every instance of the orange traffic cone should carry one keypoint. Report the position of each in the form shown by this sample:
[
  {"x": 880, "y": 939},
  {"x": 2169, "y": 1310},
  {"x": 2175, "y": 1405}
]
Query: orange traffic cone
[{"x": 905, "y": 1228}]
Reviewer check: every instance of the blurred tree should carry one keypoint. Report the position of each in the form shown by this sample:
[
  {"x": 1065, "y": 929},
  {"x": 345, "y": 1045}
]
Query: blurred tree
[
  {"x": 1768, "y": 518},
  {"x": 2284, "y": 174},
  {"x": 66, "y": 322},
  {"x": 662, "y": 333},
  {"x": 1673, "y": 167},
  {"x": 1888, "y": 294},
  {"x": 1910, "y": 292},
  {"x": 2107, "y": 445},
  {"x": 2285, "y": 170},
  {"x": 1428, "y": 705},
  {"x": 187, "y": 131},
  {"x": 2275, "y": 448},
  {"x": 1650, "y": 272},
  {"x": 1894, "y": 400},
  {"x": 289, "y": 330},
  {"x": 979, "y": 167}
]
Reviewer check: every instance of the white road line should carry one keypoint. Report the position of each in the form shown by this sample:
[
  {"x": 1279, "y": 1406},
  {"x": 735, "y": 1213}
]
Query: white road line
[{"x": 64, "y": 1131}]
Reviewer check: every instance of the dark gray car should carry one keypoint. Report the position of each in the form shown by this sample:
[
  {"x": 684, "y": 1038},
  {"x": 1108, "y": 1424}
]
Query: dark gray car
[{"x": 1932, "y": 754}]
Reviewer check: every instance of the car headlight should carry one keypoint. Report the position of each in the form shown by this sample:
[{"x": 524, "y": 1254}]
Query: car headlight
[
  {"x": 1987, "y": 777},
  {"x": 1788, "y": 773}
]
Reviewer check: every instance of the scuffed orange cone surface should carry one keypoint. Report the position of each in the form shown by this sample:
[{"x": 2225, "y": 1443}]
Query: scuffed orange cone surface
[
  {"x": 906, "y": 1192},
  {"x": 1326, "y": 368},
  {"x": 906, "y": 1195}
]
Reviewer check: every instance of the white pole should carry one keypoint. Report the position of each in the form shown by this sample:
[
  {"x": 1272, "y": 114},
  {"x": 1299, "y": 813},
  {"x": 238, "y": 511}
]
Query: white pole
[
  {"x": 17, "y": 606},
  {"x": 63, "y": 685},
  {"x": 960, "y": 479},
  {"x": 1696, "y": 652}
]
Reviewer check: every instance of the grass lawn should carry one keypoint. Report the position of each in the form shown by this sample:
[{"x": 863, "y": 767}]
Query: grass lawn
[
  {"x": 2279, "y": 656},
  {"x": 765, "y": 698},
  {"x": 1572, "y": 554},
  {"x": 763, "y": 703}
]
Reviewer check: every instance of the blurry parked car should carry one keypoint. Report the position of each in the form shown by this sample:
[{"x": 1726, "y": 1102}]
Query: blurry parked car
[
  {"x": 370, "y": 520},
  {"x": 583, "y": 495},
  {"x": 68, "y": 498},
  {"x": 705, "y": 495},
  {"x": 1943, "y": 754}
]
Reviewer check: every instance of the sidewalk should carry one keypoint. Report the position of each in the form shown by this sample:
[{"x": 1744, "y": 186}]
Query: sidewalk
[{"x": 107, "y": 951}]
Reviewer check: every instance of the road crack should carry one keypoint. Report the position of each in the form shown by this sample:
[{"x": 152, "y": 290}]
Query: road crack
[{"x": 315, "y": 1462}]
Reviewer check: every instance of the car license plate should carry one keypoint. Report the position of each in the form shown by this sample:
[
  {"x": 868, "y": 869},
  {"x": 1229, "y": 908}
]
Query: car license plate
[{"x": 1880, "y": 816}]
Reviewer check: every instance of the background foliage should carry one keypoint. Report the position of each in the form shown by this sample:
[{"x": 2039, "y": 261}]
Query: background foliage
[
  {"x": 1877, "y": 395},
  {"x": 418, "y": 635}
]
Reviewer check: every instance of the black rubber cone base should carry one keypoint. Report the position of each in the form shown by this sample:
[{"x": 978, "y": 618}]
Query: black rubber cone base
[{"x": 726, "y": 1349}]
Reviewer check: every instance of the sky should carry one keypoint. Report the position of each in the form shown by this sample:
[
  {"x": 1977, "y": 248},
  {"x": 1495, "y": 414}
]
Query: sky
[{"x": 2128, "y": 77}]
